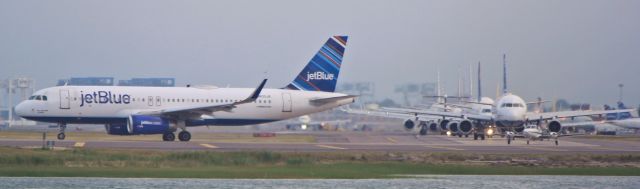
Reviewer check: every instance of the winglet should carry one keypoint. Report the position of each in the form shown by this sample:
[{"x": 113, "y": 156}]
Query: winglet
[{"x": 256, "y": 93}]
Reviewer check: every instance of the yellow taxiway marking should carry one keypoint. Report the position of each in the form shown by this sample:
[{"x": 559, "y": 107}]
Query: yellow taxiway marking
[
  {"x": 391, "y": 140},
  {"x": 442, "y": 147},
  {"x": 330, "y": 147},
  {"x": 208, "y": 146},
  {"x": 547, "y": 148},
  {"x": 79, "y": 144}
]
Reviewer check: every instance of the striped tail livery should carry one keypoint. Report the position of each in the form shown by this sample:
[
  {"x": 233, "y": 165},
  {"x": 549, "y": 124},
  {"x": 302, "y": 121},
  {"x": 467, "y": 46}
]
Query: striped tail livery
[{"x": 321, "y": 73}]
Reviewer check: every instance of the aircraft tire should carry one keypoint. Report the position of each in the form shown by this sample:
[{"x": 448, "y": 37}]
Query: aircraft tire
[
  {"x": 184, "y": 136},
  {"x": 61, "y": 136},
  {"x": 168, "y": 137}
]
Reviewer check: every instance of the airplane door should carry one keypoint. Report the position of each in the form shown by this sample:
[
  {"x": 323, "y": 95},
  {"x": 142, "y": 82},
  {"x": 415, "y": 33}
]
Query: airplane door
[
  {"x": 150, "y": 101},
  {"x": 286, "y": 102},
  {"x": 64, "y": 99}
]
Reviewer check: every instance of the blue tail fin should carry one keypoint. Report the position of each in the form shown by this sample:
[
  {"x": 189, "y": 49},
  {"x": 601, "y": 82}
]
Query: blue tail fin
[{"x": 321, "y": 73}]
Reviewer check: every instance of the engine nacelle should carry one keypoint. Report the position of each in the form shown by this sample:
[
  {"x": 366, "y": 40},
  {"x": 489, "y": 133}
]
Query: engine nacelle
[
  {"x": 554, "y": 126},
  {"x": 443, "y": 125},
  {"x": 433, "y": 126},
  {"x": 141, "y": 125},
  {"x": 453, "y": 126},
  {"x": 117, "y": 129},
  {"x": 466, "y": 126},
  {"x": 409, "y": 124}
]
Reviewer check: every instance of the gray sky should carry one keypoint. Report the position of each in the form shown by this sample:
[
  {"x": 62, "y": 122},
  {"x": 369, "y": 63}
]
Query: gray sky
[{"x": 574, "y": 49}]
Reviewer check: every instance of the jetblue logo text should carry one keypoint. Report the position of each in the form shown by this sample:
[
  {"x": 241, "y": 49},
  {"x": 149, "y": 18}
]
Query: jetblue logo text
[
  {"x": 104, "y": 97},
  {"x": 319, "y": 76}
]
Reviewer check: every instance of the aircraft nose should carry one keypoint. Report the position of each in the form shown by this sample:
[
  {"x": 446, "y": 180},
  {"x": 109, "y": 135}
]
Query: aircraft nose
[
  {"x": 512, "y": 115},
  {"x": 21, "y": 109}
]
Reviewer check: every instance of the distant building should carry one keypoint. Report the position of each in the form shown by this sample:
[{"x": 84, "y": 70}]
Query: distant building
[
  {"x": 365, "y": 91},
  {"x": 87, "y": 81},
  {"x": 413, "y": 93},
  {"x": 149, "y": 82}
]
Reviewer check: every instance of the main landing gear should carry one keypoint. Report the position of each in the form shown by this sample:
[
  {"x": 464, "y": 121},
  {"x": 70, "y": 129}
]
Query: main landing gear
[
  {"x": 182, "y": 136},
  {"x": 61, "y": 134}
]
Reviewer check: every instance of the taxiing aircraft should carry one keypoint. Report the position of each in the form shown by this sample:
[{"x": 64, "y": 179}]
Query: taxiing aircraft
[
  {"x": 511, "y": 115},
  {"x": 450, "y": 126},
  {"x": 126, "y": 110}
]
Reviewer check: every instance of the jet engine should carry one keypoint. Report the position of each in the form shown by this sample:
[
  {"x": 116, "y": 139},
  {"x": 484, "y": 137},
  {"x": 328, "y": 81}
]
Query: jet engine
[
  {"x": 554, "y": 126},
  {"x": 433, "y": 126},
  {"x": 453, "y": 126},
  {"x": 142, "y": 125},
  {"x": 465, "y": 126},
  {"x": 409, "y": 124},
  {"x": 443, "y": 125}
]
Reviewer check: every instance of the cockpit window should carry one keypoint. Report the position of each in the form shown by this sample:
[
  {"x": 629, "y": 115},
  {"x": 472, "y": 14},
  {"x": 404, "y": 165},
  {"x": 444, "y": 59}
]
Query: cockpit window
[
  {"x": 38, "y": 97},
  {"x": 486, "y": 111},
  {"x": 510, "y": 105}
]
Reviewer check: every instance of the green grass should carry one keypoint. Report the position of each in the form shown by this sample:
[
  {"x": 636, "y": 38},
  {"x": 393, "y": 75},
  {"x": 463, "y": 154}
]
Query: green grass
[{"x": 209, "y": 164}]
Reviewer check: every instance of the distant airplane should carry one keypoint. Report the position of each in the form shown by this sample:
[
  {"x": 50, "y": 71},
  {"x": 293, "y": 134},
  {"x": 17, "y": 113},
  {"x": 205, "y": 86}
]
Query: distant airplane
[
  {"x": 510, "y": 115},
  {"x": 127, "y": 110},
  {"x": 481, "y": 106}
]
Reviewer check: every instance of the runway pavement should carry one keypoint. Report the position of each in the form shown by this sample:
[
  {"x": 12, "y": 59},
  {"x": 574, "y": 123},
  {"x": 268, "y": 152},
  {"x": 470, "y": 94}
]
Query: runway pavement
[{"x": 358, "y": 141}]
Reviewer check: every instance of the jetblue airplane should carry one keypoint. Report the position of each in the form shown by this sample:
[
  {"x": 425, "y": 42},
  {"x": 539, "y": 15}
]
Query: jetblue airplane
[
  {"x": 127, "y": 110},
  {"x": 509, "y": 115}
]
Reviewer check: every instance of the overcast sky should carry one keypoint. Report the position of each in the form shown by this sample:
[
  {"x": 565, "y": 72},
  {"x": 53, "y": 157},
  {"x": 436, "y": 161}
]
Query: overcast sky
[{"x": 576, "y": 49}]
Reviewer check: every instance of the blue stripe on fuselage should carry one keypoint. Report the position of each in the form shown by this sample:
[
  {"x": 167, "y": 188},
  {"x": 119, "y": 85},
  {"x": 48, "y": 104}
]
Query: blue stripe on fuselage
[{"x": 119, "y": 120}]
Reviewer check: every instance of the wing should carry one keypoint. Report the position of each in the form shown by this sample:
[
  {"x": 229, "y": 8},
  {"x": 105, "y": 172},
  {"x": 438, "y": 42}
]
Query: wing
[
  {"x": 440, "y": 114},
  {"x": 392, "y": 114},
  {"x": 205, "y": 109},
  {"x": 321, "y": 101},
  {"x": 568, "y": 114}
]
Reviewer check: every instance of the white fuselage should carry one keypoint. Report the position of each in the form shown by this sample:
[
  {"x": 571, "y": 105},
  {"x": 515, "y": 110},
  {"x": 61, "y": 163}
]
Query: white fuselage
[
  {"x": 510, "y": 111},
  {"x": 108, "y": 104}
]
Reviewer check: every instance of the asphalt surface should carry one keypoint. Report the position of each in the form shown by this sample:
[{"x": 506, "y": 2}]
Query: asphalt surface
[{"x": 358, "y": 141}]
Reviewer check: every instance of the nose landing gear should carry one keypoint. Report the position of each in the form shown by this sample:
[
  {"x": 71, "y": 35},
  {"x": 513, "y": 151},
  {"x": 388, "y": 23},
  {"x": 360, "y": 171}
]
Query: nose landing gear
[{"x": 61, "y": 134}]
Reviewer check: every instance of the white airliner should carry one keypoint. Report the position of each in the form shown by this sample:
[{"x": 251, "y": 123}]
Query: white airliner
[
  {"x": 162, "y": 110},
  {"x": 511, "y": 115},
  {"x": 450, "y": 126}
]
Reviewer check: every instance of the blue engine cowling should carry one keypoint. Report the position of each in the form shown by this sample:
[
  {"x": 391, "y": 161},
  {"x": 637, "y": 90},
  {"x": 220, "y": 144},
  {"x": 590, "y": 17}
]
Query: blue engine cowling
[{"x": 141, "y": 125}]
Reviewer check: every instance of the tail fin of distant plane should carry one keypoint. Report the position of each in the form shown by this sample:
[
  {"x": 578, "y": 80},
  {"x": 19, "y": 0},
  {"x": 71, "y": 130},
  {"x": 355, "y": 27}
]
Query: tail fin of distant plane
[
  {"x": 479, "y": 85},
  {"x": 504, "y": 73},
  {"x": 321, "y": 73}
]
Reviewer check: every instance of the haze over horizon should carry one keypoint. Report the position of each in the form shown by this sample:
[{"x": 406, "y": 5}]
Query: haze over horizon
[{"x": 573, "y": 49}]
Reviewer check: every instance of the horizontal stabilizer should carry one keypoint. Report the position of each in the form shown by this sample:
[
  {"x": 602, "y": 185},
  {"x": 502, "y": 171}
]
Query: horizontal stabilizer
[{"x": 331, "y": 99}]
